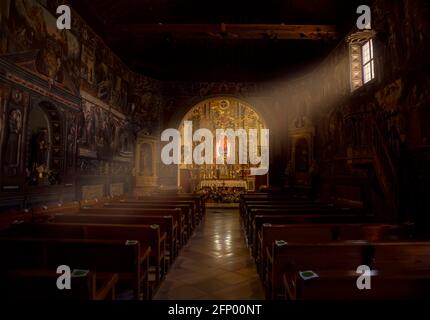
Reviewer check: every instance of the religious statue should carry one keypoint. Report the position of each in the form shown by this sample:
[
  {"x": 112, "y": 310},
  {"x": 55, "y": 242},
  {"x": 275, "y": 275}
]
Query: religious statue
[
  {"x": 146, "y": 160},
  {"x": 302, "y": 156},
  {"x": 2, "y": 104},
  {"x": 14, "y": 132},
  {"x": 89, "y": 130},
  {"x": 42, "y": 147},
  {"x": 314, "y": 179},
  {"x": 71, "y": 134},
  {"x": 289, "y": 175},
  {"x": 39, "y": 146}
]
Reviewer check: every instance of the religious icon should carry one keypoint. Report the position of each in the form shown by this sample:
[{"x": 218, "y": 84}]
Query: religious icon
[
  {"x": 302, "y": 156},
  {"x": 14, "y": 132},
  {"x": 39, "y": 148},
  {"x": 223, "y": 147},
  {"x": 146, "y": 160}
]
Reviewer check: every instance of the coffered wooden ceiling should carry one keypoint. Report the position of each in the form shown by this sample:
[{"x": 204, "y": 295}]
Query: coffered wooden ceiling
[{"x": 234, "y": 40}]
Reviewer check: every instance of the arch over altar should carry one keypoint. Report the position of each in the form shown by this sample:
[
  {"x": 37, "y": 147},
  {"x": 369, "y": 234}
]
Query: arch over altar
[{"x": 225, "y": 180}]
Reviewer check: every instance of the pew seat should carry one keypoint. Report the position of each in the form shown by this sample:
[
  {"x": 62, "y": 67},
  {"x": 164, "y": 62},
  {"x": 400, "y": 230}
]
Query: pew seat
[
  {"x": 148, "y": 236},
  {"x": 166, "y": 223},
  {"x": 127, "y": 259},
  {"x": 342, "y": 285},
  {"x": 40, "y": 284},
  {"x": 285, "y": 259}
]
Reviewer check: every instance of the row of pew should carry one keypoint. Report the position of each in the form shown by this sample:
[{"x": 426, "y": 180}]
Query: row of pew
[
  {"x": 122, "y": 248},
  {"x": 306, "y": 250}
]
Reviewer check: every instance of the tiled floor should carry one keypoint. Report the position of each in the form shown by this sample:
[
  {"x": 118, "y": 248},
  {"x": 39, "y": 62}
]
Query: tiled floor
[{"x": 215, "y": 264}]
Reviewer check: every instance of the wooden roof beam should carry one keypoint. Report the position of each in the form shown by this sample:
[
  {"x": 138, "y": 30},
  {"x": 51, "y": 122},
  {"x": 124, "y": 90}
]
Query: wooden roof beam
[{"x": 232, "y": 31}]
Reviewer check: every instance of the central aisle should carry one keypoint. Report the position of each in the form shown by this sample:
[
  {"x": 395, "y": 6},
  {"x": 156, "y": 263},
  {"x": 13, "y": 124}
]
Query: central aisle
[{"x": 215, "y": 264}]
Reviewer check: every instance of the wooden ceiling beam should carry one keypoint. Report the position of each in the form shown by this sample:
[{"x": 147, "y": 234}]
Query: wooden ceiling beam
[{"x": 232, "y": 31}]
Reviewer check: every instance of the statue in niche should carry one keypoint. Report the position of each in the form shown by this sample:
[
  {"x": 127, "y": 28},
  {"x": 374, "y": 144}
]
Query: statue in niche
[
  {"x": 302, "y": 156},
  {"x": 302, "y": 121},
  {"x": 42, "y": 147},
  {"x": 125, "y": 142},
  {"x": 1, "y": 115},
  {"x": 13, "y": 134},
  {"x": 146, "y": 160},
  {"x": 314, "y": 179},
  {"x": 71, "y": 136},
  {"x": 89, "y": 127},
  {"x": 289, "y": 175},
  {"x": 39, "y": 147}
]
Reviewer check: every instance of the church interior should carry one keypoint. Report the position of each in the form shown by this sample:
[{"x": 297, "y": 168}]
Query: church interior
[{"x": 96, "y": 193}]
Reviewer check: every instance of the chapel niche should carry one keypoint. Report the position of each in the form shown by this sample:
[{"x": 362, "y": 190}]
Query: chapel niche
[
  {"x": 301, "y": 135},
  {"x": 39, "y": 146},
  {"x": 44, "y": 148},
  {"x": 146, "y": 162}
]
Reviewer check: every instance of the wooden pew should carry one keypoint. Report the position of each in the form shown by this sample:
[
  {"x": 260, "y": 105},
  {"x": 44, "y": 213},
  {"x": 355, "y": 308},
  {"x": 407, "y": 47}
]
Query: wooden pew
[
  {"x": 176, "y": 213},
  {"x": 250, "y": 232},
  {"x": 247, "y": 206},
  {"x": 40, "y": 284},
  {"x": 288, "y": 258},
  {"x": 183, "y": 218},
  {"x": 292, "y": 196},
  {"x": 60, "y": 208},
  {"x": 249, "y": 218},
  {"x": 317, "y": 233},
  {"x": 290, "y": 233},
  {"x": 341, "y": 285},
  {"x": 148, "y": 236},
  {"x": 292, "y": 257},
  {"x": 279, "y": 203},
  {"x": 259, "y": 220},
  {"x": 188, "y": 208},
  {"x": 401, "y": 256},
  {"x": 197, "y": 198},
  {"x": 245, "y": 198},
  {"x": 129, "y": 260},
  {"x": 166, "y": 223}
]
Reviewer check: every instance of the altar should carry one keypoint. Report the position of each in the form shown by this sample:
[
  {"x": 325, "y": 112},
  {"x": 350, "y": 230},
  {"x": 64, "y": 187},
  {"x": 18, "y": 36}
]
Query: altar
[
  {"x": 240, "y": 184},
  {"x": 223, "y": 190},
  {"x": 226, "y": 172}
]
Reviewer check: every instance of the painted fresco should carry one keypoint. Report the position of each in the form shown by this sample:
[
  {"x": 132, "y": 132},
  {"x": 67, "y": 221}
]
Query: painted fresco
[
  {"x": 146, "y": 104},
  {"x": 76, "y": 59},
  {"x": 103, "y": 75},
  {"x": 29, "y": 26},
  {"x": 94, "y": 129},
  {"x": 103, "y": 133}
]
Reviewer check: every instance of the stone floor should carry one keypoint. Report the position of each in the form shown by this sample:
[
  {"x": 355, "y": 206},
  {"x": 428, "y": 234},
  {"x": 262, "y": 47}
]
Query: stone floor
[{"x": 215, "y": 263}]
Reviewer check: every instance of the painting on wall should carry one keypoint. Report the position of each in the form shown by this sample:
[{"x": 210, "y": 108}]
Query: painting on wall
[
  {"x": 145, "y": 165},
  {"x": 30, "y": 26},
  {"x": 94, "y": 130},
  {"x": 102, "y": 132},
  {"x": 13, "y": 137},
  {"x": 145, "y": 105},
  {"x": 104, "y": 81},
  {"x": 103, "y": 75},
  {"x": 72, "y": 128},
  {"x": 76, "y": 59},
  {"x": 102, "y": 128},
  {"x": 4, "y": 99},
  {"x": 87, "y": 126},
  {"x": 13, "y": 107},
  {"x": 88, "y": 64},
  {"x": 120, "y": 94}
]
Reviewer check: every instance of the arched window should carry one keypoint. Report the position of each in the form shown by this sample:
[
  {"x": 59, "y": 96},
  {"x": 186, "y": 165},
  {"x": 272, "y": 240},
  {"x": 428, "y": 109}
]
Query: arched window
[{"x": 362, "y": 58}]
